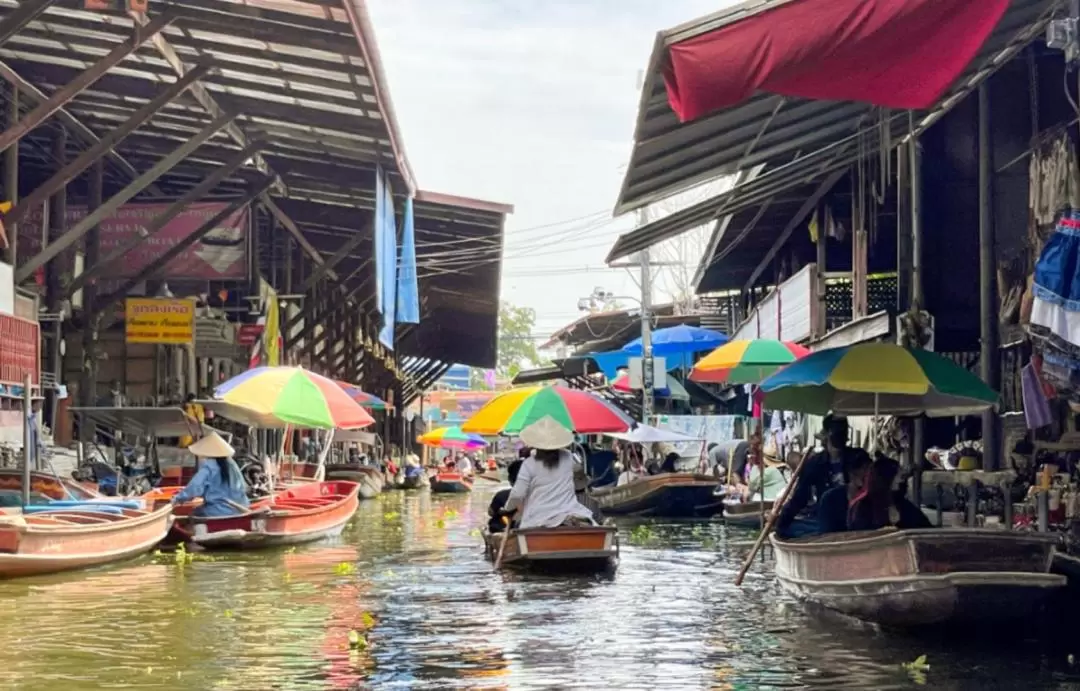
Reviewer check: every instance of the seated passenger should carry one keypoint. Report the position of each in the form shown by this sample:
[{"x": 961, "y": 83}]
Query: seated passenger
[
  {"x": 880, "y": 506},
  {"x": 766, "y": 480},
  {"x": 218, "y": 481},
  {"x": 832, "y": 510},
  {"x": 668, "y": 465},
  {"x": 545, "y": 488},
  {"x": 498, "y": 502}
]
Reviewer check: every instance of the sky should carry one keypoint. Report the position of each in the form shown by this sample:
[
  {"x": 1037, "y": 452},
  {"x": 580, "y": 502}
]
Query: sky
[{"x": 531, "y": 104}]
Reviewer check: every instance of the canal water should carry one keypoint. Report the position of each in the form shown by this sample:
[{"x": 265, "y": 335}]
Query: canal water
[{"x": 405, "y": 600}]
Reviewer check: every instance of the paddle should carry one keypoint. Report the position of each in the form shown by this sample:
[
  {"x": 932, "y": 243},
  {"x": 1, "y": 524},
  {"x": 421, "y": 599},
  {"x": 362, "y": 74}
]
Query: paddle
[
  {"x": 778, "y": 505},
  {"x": 502, "y": 545}
]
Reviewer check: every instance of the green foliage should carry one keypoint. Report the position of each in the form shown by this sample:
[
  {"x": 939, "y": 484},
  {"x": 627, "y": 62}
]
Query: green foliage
[{"x": 517, "y": 349}]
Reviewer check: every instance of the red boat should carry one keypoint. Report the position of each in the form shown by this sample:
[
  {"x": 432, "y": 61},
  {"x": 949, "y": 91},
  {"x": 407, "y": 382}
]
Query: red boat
[
  {"x": 302, "y": 513},
  {"x": 66, "y": 539}
]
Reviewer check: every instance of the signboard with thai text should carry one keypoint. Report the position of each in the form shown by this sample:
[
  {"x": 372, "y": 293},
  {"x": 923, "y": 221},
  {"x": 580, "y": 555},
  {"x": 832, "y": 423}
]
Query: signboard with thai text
[
  {"x": 163, "y": 321},
  {"x": 221, "y": 255}
]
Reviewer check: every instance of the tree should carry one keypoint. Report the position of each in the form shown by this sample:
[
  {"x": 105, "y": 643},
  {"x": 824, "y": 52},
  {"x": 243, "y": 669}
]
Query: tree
[{"x": 517, "y": 349}]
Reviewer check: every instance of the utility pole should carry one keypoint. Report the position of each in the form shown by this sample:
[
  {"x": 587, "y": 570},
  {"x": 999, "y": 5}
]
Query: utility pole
[{"x": 646, "y": 329}]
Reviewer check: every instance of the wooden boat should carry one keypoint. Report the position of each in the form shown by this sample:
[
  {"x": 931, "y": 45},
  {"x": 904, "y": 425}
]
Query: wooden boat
[
  {"x": 672, "y": 495},
  {"x": 303, "y": 513},
  {"x": 746, "y": 514},
  {"x": 585, "y": 549},
  {"x": 372, "y": 481},
  {"x": 48, "y": 485},
  {"x": 914, "y": 578},
  {"x": 451, "y": 483},
  {"x": 66, "y": 539}
]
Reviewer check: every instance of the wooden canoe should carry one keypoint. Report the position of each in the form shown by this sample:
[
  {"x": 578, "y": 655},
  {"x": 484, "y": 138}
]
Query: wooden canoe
[
  {"x": 62, "y": 540},
  {"x": 584, "y": 549},
  {"x": 372, "y": 481},
  {"x": 746, "y": 514},
  {"x": 48, "y": 485},
  {"x": 670, "y": 495},
  {"x": 451, "y": 483},
  {"x": 915, "y": 578},
  {"x": 304, "y": 513}
]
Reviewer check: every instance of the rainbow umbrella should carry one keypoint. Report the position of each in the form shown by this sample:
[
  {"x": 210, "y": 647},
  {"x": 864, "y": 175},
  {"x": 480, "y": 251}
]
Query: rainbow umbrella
[
  {"x": 580, "y": 411},
  {"x": 363, "y": 397},
  {"x": 877, "y": 379},
  {"x": 279, "y": 396},
  {"x": 451, "y": 438},
  {"x": 746, "y": 361}
]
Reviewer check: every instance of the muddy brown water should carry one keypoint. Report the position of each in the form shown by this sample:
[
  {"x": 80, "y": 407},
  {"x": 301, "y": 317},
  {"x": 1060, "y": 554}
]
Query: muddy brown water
[{"x": 408, "y": 580}]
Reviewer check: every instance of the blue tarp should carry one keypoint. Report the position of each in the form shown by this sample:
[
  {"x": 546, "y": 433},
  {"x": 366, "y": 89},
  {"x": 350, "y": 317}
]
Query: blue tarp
[
  {"x": 408, "y": 295},
  {"x": 386, "y": 258}
]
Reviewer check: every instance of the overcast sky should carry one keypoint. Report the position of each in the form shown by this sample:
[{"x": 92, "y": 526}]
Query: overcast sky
[{"x": 531, "y": 104}]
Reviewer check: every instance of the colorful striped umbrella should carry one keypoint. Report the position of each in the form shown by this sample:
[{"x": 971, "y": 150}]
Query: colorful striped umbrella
[
  {"x": 746, "y": 361},
  {"x": 580, "y": 411},
  {"x": 363, "y": 397},
  {"x": 877, "y": 378},
  {"x": 280, "y": 396},
  {"x": 451, "y": 438}
]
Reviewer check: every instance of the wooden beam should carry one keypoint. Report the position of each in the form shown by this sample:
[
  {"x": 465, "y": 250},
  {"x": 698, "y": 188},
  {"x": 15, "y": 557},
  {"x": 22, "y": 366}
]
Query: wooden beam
[
  {"x": 343, "y": 252},
  {"x": 102, "y": 146},
  {"x": 809, "y": 205},
  {"x": 95, "y": 217},
  {"x": 59, "y": 98},
  {"x": 294, "y": 230},
  {"x": 26, "y": 12}
]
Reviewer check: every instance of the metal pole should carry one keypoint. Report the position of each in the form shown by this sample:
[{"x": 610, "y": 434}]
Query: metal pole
[
  {"x": 918, "y": 436},
  {"x": 988, "y": 322},
  {"x": 27, "y": 412},
  {"x": 11, "y": 179},
  {"x": 646, "y": 332}
]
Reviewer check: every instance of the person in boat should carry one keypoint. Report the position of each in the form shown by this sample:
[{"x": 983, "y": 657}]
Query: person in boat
[
  {"x": 878, "y": 505},
  {"x": 767, "y": 479},
  {"x": 729, "y": 454},
  {"x": 465, "y": 464},
  {"x": 545, "y": 488},
  {"x": 496, "y": 510},
  {"x": 669, "y": 464},
  {"x": 821, "y": 472},
  {"x": 832, "y": 509},
  {"x": 218, "y": 481}
]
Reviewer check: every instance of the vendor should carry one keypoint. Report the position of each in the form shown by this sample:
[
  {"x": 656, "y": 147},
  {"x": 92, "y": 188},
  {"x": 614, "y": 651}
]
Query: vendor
[{"x": 218, "y": 481}]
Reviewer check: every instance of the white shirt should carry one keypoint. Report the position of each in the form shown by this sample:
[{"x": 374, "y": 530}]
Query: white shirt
[
  {"x": 546, "y": 493},
  {"x": 464, "y": 465}
]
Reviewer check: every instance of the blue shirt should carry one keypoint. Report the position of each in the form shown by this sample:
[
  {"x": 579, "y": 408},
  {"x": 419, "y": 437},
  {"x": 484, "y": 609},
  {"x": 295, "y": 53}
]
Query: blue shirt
[{"x": 216, "y": 491}]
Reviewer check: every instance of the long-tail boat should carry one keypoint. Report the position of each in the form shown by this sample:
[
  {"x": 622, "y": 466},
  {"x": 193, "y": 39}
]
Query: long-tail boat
[
  {"x": 913, "y": 578},
  {"x": 451, "y": 483},
  {"x": 371, "y": 479},
  {"x": 302, "y": 513},
  {"x": 672, "y": 495},
  {"x": 63, "y": 539},
  {"x": 583, "y": 549}
]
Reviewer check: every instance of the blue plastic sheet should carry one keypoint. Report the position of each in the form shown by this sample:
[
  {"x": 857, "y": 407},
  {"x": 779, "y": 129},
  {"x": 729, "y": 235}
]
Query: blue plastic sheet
[{"x": 408, "y": 295}]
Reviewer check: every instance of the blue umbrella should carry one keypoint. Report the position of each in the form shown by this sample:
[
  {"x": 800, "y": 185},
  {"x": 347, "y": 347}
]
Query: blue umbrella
[{"x": 680, "y": 340}]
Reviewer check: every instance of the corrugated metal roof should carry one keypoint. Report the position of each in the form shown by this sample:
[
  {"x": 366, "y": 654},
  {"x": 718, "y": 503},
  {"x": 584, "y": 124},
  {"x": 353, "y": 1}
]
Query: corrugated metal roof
[{"x": 795, "y": 139}]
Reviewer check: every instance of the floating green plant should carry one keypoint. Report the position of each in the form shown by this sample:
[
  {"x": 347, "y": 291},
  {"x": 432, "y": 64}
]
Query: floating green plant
[
  {"x": 345, "y": 569},
  {"x": 391, "y": 516}
]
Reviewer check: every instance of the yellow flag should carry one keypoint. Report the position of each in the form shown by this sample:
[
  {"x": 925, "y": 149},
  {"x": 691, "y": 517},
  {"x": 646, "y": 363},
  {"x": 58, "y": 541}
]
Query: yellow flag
[{"x": 271, "y": 331}]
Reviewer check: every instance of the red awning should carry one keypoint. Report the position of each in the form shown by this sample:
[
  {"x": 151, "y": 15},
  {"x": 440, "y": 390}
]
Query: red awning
[{"x": 894, "y": 53}]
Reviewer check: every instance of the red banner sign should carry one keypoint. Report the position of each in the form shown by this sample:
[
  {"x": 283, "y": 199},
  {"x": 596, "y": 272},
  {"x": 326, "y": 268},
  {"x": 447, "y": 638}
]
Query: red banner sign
[
  {"x": 221, "y": 255},
  {"x": 20, "y": 351},
  {"x": 247, "y": 334}
]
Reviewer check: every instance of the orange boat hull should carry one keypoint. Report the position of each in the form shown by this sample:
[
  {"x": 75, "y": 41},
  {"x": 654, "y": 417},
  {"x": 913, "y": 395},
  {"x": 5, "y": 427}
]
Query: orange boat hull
[
  {"x": 594, "y": 548},
  {"x": 64, "y": 540},
  {"x": 303, "y": 513},
  {"x": 451, "y": 483}
]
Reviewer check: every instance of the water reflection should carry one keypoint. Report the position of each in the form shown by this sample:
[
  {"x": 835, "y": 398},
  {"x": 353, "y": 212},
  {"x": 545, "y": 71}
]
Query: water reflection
[{"x": 408, "y": 583}]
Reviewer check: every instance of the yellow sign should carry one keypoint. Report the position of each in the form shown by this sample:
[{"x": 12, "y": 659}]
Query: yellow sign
[{"x": 164, "y": 321}]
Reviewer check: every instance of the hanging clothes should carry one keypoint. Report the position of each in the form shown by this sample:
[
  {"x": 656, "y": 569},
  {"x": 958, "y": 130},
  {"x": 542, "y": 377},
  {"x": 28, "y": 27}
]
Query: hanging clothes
[
  {"x": 1054, "y": 180},
  {"x": 1036, "y": 407},
  {"x": 1056, "y": 303}
]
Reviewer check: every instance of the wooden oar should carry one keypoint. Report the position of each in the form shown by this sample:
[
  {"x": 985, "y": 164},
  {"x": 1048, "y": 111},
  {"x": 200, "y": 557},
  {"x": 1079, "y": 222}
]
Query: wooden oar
[
  {"x": 502, "y": 545},
  {"x": 778, "y": 506}
]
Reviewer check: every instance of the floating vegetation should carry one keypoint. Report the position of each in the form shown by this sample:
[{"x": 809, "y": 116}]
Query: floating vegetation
[
  {"x": 227, "y": 614},
  {"x": 368, "y": 620},
  {"x": 357, "y": 640},
  {"x": 391, "y": 516},
  {"x": 643, "y": 535},
  {"x": 475, "y": 532},
  {"x": 440, "y": 524},
  {"x": 917, "y": 670},
  {"x": 450, "y": 514},
  {"x": 345, "y": 569}
]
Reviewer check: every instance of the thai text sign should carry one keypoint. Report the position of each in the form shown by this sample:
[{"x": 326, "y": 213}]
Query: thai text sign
[
  {"x": 20, "y": 351},
  {"x": 220, "y": 255},
  {"x": 163, "y": 321}
]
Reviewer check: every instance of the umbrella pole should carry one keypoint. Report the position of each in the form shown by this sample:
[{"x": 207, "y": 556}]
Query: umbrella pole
[{"x": 768, "y": 527}]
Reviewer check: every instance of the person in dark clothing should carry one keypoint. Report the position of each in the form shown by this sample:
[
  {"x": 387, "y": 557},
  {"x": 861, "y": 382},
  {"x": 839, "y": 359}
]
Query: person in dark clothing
[
  {"x": 668, "y": 466},
  {"x": 879, "y": 506},
  {"x": 821, "y": 472},
  {"x": 832, "y": 509},
  {"x": 731, "y": 454},
  {"x": 495, "y": 509}
]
